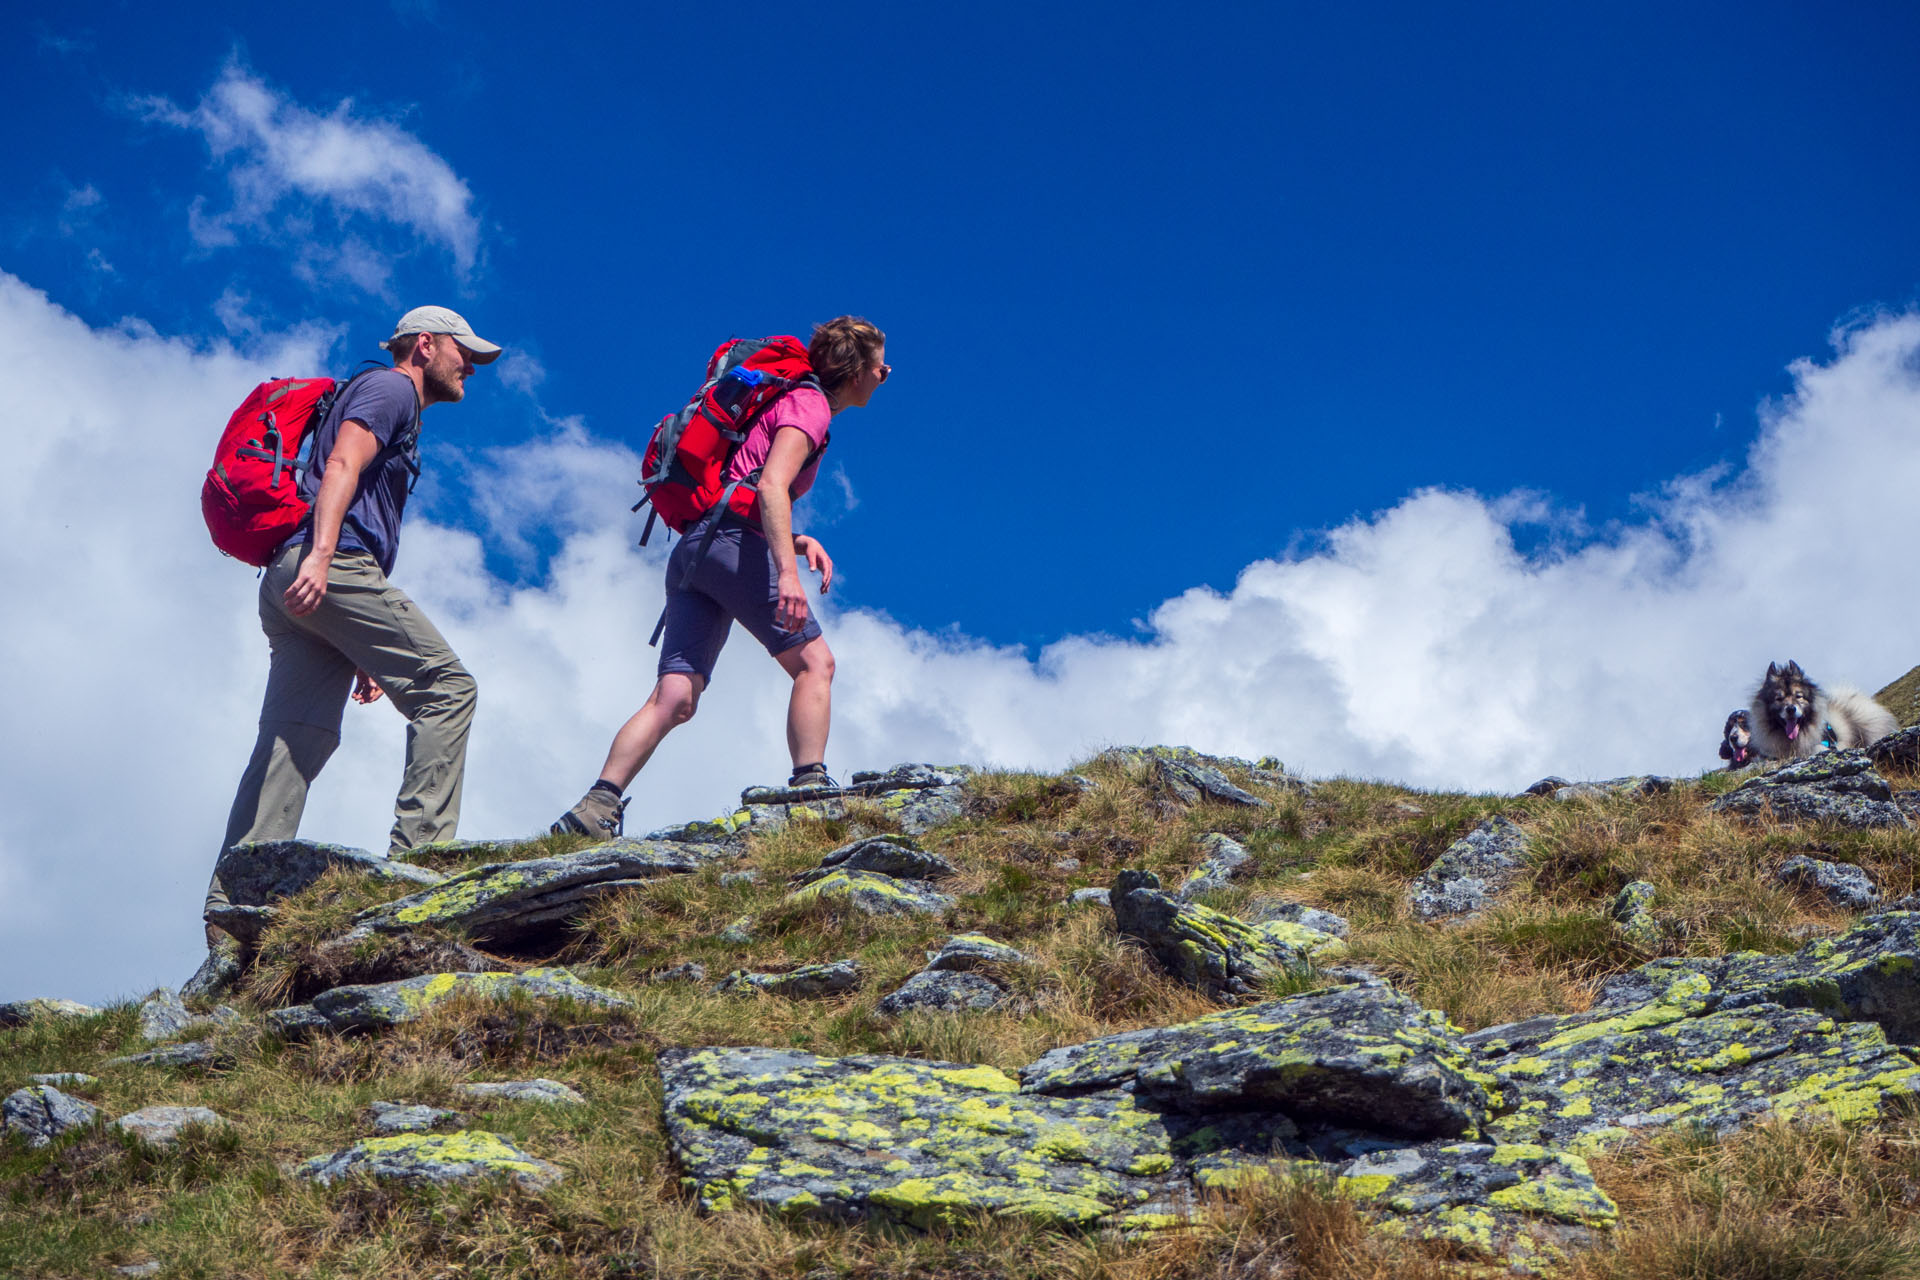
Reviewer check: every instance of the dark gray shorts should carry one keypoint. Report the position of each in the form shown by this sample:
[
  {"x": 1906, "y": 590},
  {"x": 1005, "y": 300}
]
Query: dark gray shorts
[{"x": 735, "y": 582}]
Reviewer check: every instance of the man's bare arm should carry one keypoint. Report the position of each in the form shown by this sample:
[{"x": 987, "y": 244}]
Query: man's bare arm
[{"x": 352, "y": 451}]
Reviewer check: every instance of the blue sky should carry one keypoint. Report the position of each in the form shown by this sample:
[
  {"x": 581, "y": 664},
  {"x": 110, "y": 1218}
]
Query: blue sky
[
  {"x": 1166, "y": 291},
  {"x": 1452, "y": 398}
]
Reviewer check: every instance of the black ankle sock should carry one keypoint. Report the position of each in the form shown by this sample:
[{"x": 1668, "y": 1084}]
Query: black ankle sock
[
  {"x": 801, "y": 771},
  {"x": 604, "y": 785}
]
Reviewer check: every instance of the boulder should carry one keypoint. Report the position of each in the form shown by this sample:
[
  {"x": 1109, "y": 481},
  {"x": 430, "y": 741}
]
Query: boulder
[
  {"x": 162, "y": 1126},
  {"x": 535, "y": 1090},
  {"x": 806, "y": 982},
  {"x": 297, "y": 1022},
  {"x": 532, "y": 902},
  {"x": 1351, "y": 1055},
  {"x": 41, "y": 1113},
  {"x": 1547, "y": 786},
  {"x": 1838, "y": 787},
  {"x": 394, "y": 1117},
  {"x": 218, "y": 975},
  {"x": 1224, "y": 956},
  {"x": 895, "y": 856},
  {"x": 1090, "y": 898},
  {"x": 1633, "y": 785},
  {"x": 942, "y": 991},
  {"x": 1224, "y": 858},
  {"x": 917, "y": 797},
  {"x": 725, "y": 835},
  {"x": 434, "y": 1158},
  {"x": 1840, "y": 883},
  {"x": 387, "y": 1004},
  {"x": 65, "y": 1079},
  {"x": 874, "y": 894},
  {"x": 194, "y": 1053},
  {"x": 973, "y": 951},
  {"x": 1185, "y": 776},
  {"x": 1633, "y": 916},
  {"x": 243, "y": 924},
  {"x": 1475, "y": 1197},
  {"x": 18, "y": 1013},
  {"x": 1472, "y": 871},
  {"x": 255, "y": 875},
  {"x": 1269, "y": 908},
  {"x": 162, "y": 1017}
]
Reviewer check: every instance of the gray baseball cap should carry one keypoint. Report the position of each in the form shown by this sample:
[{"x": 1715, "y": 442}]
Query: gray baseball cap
[{"x": 449, "y": 322}]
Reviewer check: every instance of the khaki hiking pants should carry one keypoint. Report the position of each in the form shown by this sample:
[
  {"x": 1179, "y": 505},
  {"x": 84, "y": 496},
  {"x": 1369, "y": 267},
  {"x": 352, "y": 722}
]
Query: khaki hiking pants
[{"x": 364, "y": 621}]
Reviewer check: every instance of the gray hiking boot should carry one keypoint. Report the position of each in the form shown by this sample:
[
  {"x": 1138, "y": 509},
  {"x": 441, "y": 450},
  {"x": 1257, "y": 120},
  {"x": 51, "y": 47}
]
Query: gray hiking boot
[
  {"x": 811, "y": 778},
  {"x": 600, "y": 815}
]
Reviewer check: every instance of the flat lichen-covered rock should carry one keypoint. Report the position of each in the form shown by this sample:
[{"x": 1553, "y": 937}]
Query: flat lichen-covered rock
[
  {"x": 436, "y": 1158},
  {"x": 902, "y": 1140},
  {"x": 1186, "y": 776},
  {"x": 1838, "y": 787},
  {"x": 1222, "y": 955},
  {"x": 1350, "y": 1055},
  {"x": 895, "y": 856},
  {"x": 1517, "y": 1201},
  {"x": 917, "y": 797},
  {"x": 255, "y": 875},
  {"x": 1471, "y": 872},
  {"x": 41, "y": 1113},
  {"x": 365, "y": 1008},
  {"x": 875, "y": 894},
  {"x": 18, "y": 1013},
  {"x": 513, "y": 902},
  {"x": 942, "y": 990},
  {"x": 806, "y": 982}
]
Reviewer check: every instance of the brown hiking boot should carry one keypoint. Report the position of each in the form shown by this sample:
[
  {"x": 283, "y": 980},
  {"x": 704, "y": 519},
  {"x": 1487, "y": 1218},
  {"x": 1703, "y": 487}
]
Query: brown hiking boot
[
  {"x": 600, "y": 816},
  {"x": 812, "y": 778}
]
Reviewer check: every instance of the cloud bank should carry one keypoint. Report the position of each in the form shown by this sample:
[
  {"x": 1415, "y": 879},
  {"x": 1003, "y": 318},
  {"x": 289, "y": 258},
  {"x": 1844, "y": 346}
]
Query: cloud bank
[
  {"x": 327, "y": 185},
  {"x": 1419, "y": 644}
]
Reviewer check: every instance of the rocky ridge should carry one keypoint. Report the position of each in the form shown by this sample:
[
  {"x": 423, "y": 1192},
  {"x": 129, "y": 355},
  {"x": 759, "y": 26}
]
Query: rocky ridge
[{"x": 1476, "y": 1140}]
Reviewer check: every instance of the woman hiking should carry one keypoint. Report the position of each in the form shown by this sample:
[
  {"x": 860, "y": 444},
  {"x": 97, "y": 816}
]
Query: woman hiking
[{"x": 744, "y": 566}]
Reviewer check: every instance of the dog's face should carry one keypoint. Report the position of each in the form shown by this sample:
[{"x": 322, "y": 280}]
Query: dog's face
[
  {"x": 1736, "y": 740},
  {"x": 1787, "y": 695}
]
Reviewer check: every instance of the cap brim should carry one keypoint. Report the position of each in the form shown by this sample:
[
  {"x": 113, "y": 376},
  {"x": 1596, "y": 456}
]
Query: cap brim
[{"x": 482, "y": 351}]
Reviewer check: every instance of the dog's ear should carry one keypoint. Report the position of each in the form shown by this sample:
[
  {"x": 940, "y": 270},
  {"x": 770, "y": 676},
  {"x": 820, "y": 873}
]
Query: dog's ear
[
  {"x": 1793, "y": 669},
  {"x": 1772, "y": 671}
]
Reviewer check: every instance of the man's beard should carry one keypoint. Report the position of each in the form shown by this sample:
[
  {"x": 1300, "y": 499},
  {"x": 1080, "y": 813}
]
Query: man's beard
[{"x": 443, "y": 386}]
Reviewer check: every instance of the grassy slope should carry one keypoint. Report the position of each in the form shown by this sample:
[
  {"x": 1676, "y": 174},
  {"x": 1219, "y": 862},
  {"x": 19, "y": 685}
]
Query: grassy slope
[{"x": 1777, "y": 1202}]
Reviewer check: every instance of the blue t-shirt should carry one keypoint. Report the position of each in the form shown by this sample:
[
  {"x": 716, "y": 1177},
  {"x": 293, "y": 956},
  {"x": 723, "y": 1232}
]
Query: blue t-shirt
[{"x": 386, "y": 403}]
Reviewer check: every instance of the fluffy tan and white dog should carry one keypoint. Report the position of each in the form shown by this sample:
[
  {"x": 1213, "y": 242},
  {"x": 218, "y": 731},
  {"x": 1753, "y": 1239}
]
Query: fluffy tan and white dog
[{"x": 1794, "y": 718}]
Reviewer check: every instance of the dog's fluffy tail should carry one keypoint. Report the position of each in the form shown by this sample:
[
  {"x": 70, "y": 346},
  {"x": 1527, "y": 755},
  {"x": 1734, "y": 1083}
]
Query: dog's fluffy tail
[{"x": 1857, "y": 720}]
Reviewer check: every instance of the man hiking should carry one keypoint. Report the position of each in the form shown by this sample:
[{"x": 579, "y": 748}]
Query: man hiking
[
  {"x": 337, "y": 628},
  {"x": 746, "y": 568}
]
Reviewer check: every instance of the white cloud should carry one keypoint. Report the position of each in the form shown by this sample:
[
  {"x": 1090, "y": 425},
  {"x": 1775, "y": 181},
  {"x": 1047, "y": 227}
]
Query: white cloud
[
  {"x": 1416, "y": 644},
  {"x": 335, "y": 177}
]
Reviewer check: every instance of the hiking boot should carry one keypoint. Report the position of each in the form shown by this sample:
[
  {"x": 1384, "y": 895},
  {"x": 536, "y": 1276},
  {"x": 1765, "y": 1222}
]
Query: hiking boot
[
  {"x": 600, "y": 815},
  {"x": 811, "y": 778}
]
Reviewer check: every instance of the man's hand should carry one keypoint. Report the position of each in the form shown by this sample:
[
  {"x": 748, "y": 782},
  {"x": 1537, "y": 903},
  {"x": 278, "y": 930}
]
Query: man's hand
[
  {"x": 817, "y": 559},
  {"x": 364, "y": 689},
  {"x": 309, "y": 586}
]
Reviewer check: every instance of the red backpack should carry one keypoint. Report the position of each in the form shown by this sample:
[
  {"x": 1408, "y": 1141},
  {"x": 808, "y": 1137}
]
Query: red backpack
[
  {"x": 686, "y": 460},
  {"x": 252, "y": 497}
]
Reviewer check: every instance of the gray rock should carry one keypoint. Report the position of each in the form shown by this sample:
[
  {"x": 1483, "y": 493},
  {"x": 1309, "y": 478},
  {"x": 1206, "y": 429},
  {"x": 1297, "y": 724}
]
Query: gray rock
[
  {"x": 365, "y": 1008},
  {"x": 363, "y": 956},
  {"x": 1270, "y": 908},
  {"x": 42, "y": 1113},
  {"x": 522, "y": 903},
  {"x": 723, "y": 836},
  {"x": 194, "y": 1053},
  {"x": 1090, "y": 898},
  {"x": 1840, "y": 883},
  {"x": 1898, "y": 750},
  {"x": 874, "y": 894},
  {"x": 732, "y": 878},
  {"x": 1633, "y": 785},
  {"x": 218, "y": 975},
  {"x": 1222, "y": 955},
  {"x": 1838, "y": 787},
  {"x": 1067, "y": 864},
  {"x": 973, "y": 951},
  {"x": 883, "y": 855},
  {"x": 242, "y": 923},
  {"x": 1472, "y": 872},
  {"x": 739, "y": 933},
  {"x": 297, "y": 1022},
  {"x": 1633, "y": 916},
  {"x": 255, "y": 875},
  {"x": 1908, "y": 803},
  {"x": 394, "y": 1117},
  {"x": 1225, "y": 858},
  {"x": 18, "y": 1013},
  {"x": 434, "y": 1158},
  {"x": 1187, "y": 776},
  {"x": 1348, "y": 1055},
  {"x": 65, "y": 1079},
  {"x": 807, "y": 982},
  {"x": 692, "y": 971},
  {"x": 138, "y": 1269},
  {"x": 535, "y": 1090},
  {"x": 917, "y": 797},
  {"x": 943, "y": 991},
  {"x": 1460, "y": 1195},
  {"x": 1082, "y": 783},
  {"x": 162, "y": 1126},
  {"x": 162, "y": 1017},
  {"x": 1546, "y": 786}
]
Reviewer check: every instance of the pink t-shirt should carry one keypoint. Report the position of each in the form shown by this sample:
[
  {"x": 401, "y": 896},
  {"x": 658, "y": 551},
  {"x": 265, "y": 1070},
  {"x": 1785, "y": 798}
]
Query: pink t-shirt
[{"x": 803, "y": 407}]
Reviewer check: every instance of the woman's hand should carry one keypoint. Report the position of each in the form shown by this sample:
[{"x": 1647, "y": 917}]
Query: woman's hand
[{"x": 810, "y": 550}]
